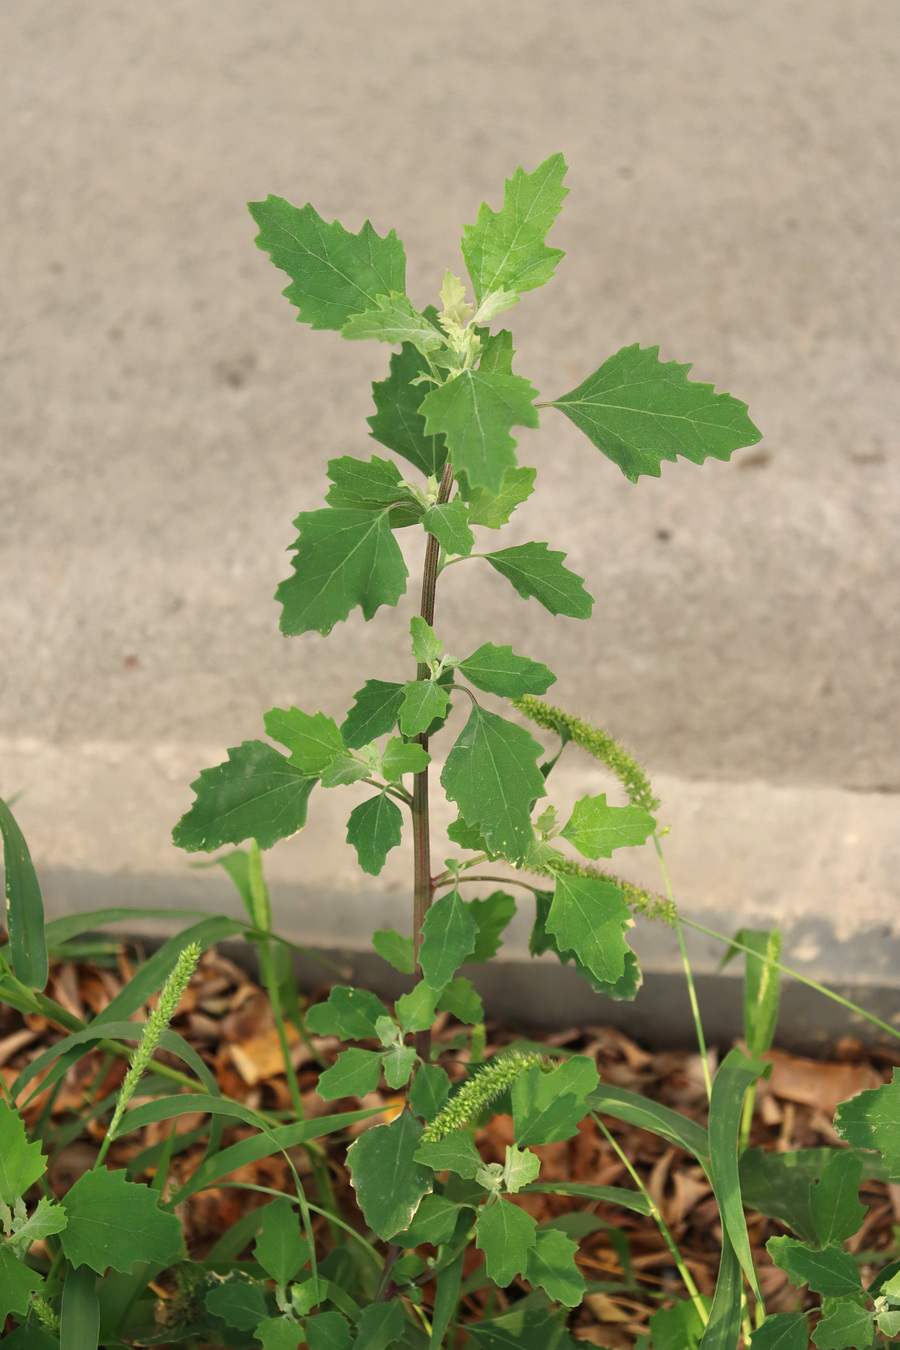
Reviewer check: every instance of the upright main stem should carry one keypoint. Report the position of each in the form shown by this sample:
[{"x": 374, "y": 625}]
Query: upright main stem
[{"x": 423, "y": 886}]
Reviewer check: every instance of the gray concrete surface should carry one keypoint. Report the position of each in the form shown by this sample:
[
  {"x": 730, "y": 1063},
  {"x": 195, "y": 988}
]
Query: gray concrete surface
[{"x": 734, "y": 197}]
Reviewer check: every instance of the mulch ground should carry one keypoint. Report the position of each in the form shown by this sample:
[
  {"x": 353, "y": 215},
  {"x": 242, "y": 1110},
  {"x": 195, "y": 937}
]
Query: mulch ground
[{"x": 228, "y": 1020}]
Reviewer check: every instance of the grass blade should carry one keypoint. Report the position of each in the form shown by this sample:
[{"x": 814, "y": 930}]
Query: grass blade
[
  {"x": 24, "y": 906},
  {"x": 735, "y": 1075}
]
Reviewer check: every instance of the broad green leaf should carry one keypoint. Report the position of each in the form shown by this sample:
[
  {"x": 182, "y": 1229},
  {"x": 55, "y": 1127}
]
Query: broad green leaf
[
  {"x": 348, "y": 1013},
  {"x": 114, "y": 1222},
  {"x": 834, "y": 1200},
  {"x": 649, "y": 1115},
  {"x": 846, "y": 1325},
  {"x": 238, "y": 1300},
  {"x": 449, "y": 934},
  {"x": 393, "y": 319},
  {"x": 256, "y": 794},
  {"x": 17, "y": 1283},
  {"x": 678, "y": 1328},
  {"x": 522, "y": 1328},
  {"x": 506, "y": 248},
  {"x": 468, "y": 837},
  {"x": 426, "y": 646},
  {"x": 399, "y": 1062},
  {"x": 782, "y": 1331},
  {"x": 724, "y": 1326},
  {"x": 429, "y": 1091},
  {"x": 374, "y": 828},
  {"x": 625, "y": 987},
  {"x": 435, "y": 1221},
  {"x": 49, "y": 1217},
  {"x": 375, "y": 712},
  {"x": 872, "y": 1120},
  {"x": 492, "y": 775},
  {"x": 313, "y": 739},
  {"x": 343, "y": 558},
  {"x": 889, "y": 1322},
  {"x": 343, "y": 770},
  {"x": 492, "y": 916},
  {"x": 454, "y": 1153},
  {"x": 493, "y": 509},
  {"x": 380, "y": 1325},
  {"x": 520, "y": 1168},
  {"x": 400, "y": 757},
  {"x": 449, "y": 524},
  {"x": 375, "y": 485},
  {"x": 398, "y": 951},
  {"x": 327, "y": 1331},
  {"x": 281, "y": 1248},
  {"x": 597, "y": 829},
  {"x": 416, "y": 1010},
  {"x": 423, "y": 701},
  {"x": 24, "y": 906},
  {"x": 281, "y": 1333},
  {"x": 548, "y": 1107},
  {"x": 551, "y": 1266},
  {"x": 496, "y": 351},
  {"x": 462, "y": 1001},
  {"x": 831, "y": 1271},
  {"x": 639, "y": 410},
  {"x": 397, "y": 422},
  {"x": 30, "y": 1336},
  {"x": 475, "y": 412},
  {"x": 333, "y": 273},
  {"x": 497, "y": 670},
  {"x": 537, "y": 570},
  {"x": 506, "y": 1234},
  {"x": 779, "y": 1185},
  {"x": 734, "y": 1076},
  {"x": 353, "y": 1074},
  {"x": 389, "y": 1182},
  {"x": 21, "y": 1163},
  {"x": 588, "y": 917}
]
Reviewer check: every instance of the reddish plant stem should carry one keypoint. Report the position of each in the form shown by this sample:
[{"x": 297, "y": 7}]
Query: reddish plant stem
[{"x": 423, "y": 886}]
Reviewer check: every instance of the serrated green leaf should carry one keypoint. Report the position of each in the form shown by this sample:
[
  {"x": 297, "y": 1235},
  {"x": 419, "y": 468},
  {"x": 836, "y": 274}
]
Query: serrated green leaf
[
  {"x": 831, "y": 1271},
  {"x": 393, "y": 319},
  {"x": 449, "y": 524},
  {"x": 333, "y": 273},
  {"x": 435, "y": 1220},
  {"x": 389, "y": 1182},
  {"x": 380, "y": 1325},
  {"x": 397, "y": 950},
  {"x": 327, "y": 1331},
  {"x": 492, "y": 916},
  {"x": 782, "y": 1331},
  {"x": 278, "y": 1333},
  {"x": 114, "y": 1222},
  {"x": 399, "y": 1062},
  {"x": 400, "y": 757},
  {"x": 49, "y": 1217},
  {"x": 889, "y": 1322},
  {"x": 348, "y": 1013},
  {"x": 468, "y": 837},
  {"x": 497, "y": 670},
  {"x": 256, "y": 794},
  {"x": 31, "y": 1336},
  {"x": 548, "y": 1107},
  {"x": 846, "y": 1325},
  {"x": 492, "y": 775},
  {"x": 416, "y": 1010},
  {"x": 506, "y": 248},
  {"x": 597, "y": 829},
  {"x": 872, "y": 1120},
  {"x": 624, "y": 988},
  {"x": 678, "y": 1328},
  {"x": 834, "y": 1200},
  {"x": 494, "y": 509},
  {"x": 588, "y": 917},
  {"x": 353, "y": 1074},
  {"x": 423, "y": 701},
  {"x": 21, "y": 1163},
  {"x": 397, "y": 422},
  {"x": 523, "y": 1328},
  {"x": 313, "y": 739},
  {"x": 343, "y": 770},
  {"x": 462, "y": 1001},
  {"x": 537, "y": 570},
  {"x": 343, "y": 558},
  {"x": 449, "y": 934},
  {"x": 17, "y": 1283},
  {"x": 551, "y": 1267},
  {"x": 454, "y": 1153},
  {"x": 238, "y": 1300},
  {"x": 24, "y": 906},
  {"x": 375, "y": 712},
  {"x": 778, "y": 1185},
  {"x": 281, "y": 1248},
  {"x": 426, "y": 646},
  {"x": 520, "y": 1168},
  {"x": 496, "y": 351},
  {"x": 375, "y": 485},
  {"x": 496, "y": 302},
  {"x": 506, "y": 1234},
  {"x": 475, "y": 412},
  {"x": 639, "y": 410},
  {"x": 429, "y": 1091},
  {"x": 374, "y": 828}
]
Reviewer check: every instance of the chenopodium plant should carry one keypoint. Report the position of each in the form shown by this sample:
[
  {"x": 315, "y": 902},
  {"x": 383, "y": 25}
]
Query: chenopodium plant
[{"x": 447, "y": 409}]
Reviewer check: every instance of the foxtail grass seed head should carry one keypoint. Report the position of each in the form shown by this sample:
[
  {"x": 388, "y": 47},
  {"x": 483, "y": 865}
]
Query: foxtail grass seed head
[{"x": 482, "y": 1089}]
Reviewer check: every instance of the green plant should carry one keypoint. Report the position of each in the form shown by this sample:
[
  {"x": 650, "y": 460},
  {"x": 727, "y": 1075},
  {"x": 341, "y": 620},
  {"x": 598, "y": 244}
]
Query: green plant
[{"x": 446, "y": 407}]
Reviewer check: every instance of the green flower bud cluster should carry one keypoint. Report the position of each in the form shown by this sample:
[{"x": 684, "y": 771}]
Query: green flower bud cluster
[{"x": 482, "y": 1089}]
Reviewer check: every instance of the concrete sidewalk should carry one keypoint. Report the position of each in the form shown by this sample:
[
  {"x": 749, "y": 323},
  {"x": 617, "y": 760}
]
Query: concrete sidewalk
[{"x": 735, "y": 193}]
